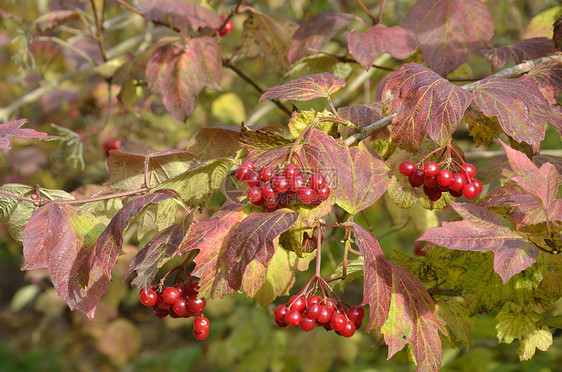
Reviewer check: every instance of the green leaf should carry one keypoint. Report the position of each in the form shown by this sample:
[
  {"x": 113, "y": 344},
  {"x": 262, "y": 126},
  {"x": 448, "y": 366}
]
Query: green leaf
[
  {"x": 215, "y": 142},
  {"x": 456, "y": 316}
]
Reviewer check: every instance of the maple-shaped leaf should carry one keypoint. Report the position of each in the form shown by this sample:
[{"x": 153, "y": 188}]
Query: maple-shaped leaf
[
  {"x": 159, "y": 250},
  {"x": 110, "y": 243},
  {"x": 180, "y": 73},
  {"x": 520, "y": 107},
  {"x": 215, "y": 142},
  {"x": 127, "y": 170},
  {"x": 270, "y": 36},
  {"x": 253, "y": 239},
  {"x": 448, "y": 30},
  {"x": 13, "y": 129},
  {"x": 305, "y": 88},
  {"x": 365, "y": 47},
  {"x": 363, "y": 115},
  {"x": 59, "y": 237},
  {"x": 548, "y": 77},
  {"x": 263, "y": 139},
  {"x": 484, "y": 230},
  {"x": 519, "y": 51},
  {"x": 359, "y": 177},
  {"x": 209, "y": 238},
  {"x": 424, "y": 103},
  {"x": 317, "y": 31},
  {"x": 541, "y": 182},
  {"x": 178, "y": 14},
  {"x": 557, "y": 33}
]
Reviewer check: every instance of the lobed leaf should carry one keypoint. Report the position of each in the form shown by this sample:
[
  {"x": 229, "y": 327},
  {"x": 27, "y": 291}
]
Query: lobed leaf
[
  {"x": 215, "y": 142},
  {"x": 424, "y": 103},
  {"x": 178, "y": 14},
  {"x": 315, "y": 32},
  {"x": 13, "y": 129},
  {"x": 548, "y": 78},
  {"x": 520, "y": 107},
  {"x": 365, "y": 47},
  {"x": 519, "y": 51},
  {"x": 448, "y": 30},
  {"x": 305, "y": 88}
]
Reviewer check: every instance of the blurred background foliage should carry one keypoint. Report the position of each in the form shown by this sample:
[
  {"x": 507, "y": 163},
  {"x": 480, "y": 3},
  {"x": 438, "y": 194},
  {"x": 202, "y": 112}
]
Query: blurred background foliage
[{"x": 38, "y": 331}]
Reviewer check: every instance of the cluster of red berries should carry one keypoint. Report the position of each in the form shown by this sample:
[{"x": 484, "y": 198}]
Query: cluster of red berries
[
  {"x": 178, "y": 301},
  {"x": 312, "y": 311},
  {"x": 278, "y": 188},
  {"x": 36, "y": 201},
  {"x": 436, "y": 181}
]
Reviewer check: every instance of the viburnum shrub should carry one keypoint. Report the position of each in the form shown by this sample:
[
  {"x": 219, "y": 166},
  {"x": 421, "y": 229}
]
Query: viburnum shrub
[{"x": 290, "y": 190}]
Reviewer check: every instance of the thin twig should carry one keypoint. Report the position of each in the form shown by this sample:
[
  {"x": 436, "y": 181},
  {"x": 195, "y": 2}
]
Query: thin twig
[
  {"x": 99, "y": 35},
  {"x": 128, "y": 6},
  {"x": 366, "y": 10},
  {"x": 493, "y": 154},
  {"x": 103, "y": 197}
]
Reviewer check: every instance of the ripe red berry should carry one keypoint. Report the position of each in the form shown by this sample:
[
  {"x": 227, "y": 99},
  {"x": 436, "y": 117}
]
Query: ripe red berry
[
  {"x": 34, "y": 196},
  {"x": 171, "y": 295},
  {"x": 306, "y": 195},
  {"x": 242, "y": 172},
  {"x": 356, "y": 314},
  {"x": 325, "y": 314},
  {"x": 323, "y": 193},
  {"x": 478, "y": 185},
  {"x": 192, "y": 289},
  {"x": 430, "y": 182},
  {"x": 416, "y": 178},
  {"x": 247, "y": 164},
  {"x": 348, "y": 330},
  {"x": 313, "y": 310},
  {"x": 270, "y": 204},
  {"x": 297, "y": 183},
  {"x": 469, "y": 169},
  {"x": 470, "y": 191},
  {"x": 280, "y": 312},
  {"x": 201, "y": 324},
  {"x": 433, "y": 194},
  {"x": 252, "y": 178},
  {"x": 196, "y": 305},
  {"x": 338, "y": 321},
  {"x": 267, "y": 192},
  {"x": 407, "y": 168},
  {"x": 148, "y": 297},
  {"x": 180, "y": 307},
  {"x": 307, "y": 324},
  {"x": 444, "y": 178},
  {"x": 228, "y": 27},
  {"x": 293, "y": 317},
  {"x": 458, "y": 181},
  {"x": 297, "y": 303},
  {"x": 316, "y": 181},
  {"x": 455, "y": 193},
  {"x": 330, "y": 304},
  {"x": 163, "y": 304},
  {"x": 291, "y": 171},
  {"x": 267, "y": 173},
  {"x": 200, "y": 335},
  {"x": 313, "y": 300},
  {"x": 280, "y": 184},
  {"x": 431, "y": 169},
  {"x": 254, "y": 194},
  {"x": 111, "y": 145},
  {"x": 161, "y": 313}
]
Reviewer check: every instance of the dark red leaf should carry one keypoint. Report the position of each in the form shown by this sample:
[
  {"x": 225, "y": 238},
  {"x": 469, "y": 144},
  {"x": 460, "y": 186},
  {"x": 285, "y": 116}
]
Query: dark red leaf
[
  {"x": 253, "y": 239},
  {"x": 448, "y": 30},
  {"x": 109, "y": 245},
  {"x": 356, "y": 177},
  {"x": 519, "y": 51},
  {"x": 59, "y": 238},
  {"x": 521, "y": 109},
  {"x": 365, "y": 47},
  {"x": 362, "y": 115},
  {"x": 157, "y": 252},
  {"x": 424, "y": 103},
  {"x": 557, "y": 33},
  {"x": 178, "y": 14},
  {"x": 12, "y": 129},
  {"x": 548, "y": 77},
  {"x": 484, "y": 230},
  {"x": 305, "y": 88},
  {"x": 317, "y": 31}
]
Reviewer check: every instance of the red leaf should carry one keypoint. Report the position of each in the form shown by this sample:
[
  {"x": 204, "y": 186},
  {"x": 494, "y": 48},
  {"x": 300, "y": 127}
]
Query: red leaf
[
  {"x": 12, "y": 129},
  {"x": 548, "y": 77},
  {"x": 519, "y": 51},
  {"x": 59, "y": 238},
  {"x": 448, "y": 30},
  {"x": 358, "y": 177},
  {"x": 317, "y": 31},
  {"x": 110, "y": 243},
  {"x": 209, "y": 238},
  {"x": 424, "y": 103},
  {"x": 305, "y": 88},
  {"x": 180, "y": 74},
  {"x": 484, "y": 230},
  {"x": 253, "y": 239},
  {"x": 365, "y": 47},
  {"x": 363, "y": 115},
  {"x": 178, "y": 14},
  {"x": 541, "y": 183},
  {"x": 156, "y": 252},
  {"x": 521, "y": 109}
]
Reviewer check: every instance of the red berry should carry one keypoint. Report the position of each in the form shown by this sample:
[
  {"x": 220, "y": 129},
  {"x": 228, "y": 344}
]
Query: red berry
[
  {"x": 323, "y": 193},
  {"x": 297, "y": 183},
  {"x": 316, "y": 181},
  {"x": 338, "y": 321},
  {"x": 431, "y": 169},
  {"x": 266, "y": 173},
  {"x": 416, "y": 178},
  {"x": 293, "y": 317},
  {"x": 34, "y": 196},
  {"x": 313, "y": 310},
  {"x": 407, "y": 168},
  {"x": 267, "y": 192},
  {"x": 433, "y": 194},
  {"x": 148, "y": 297},
  {"x": 280, "y": 312},
  {"x": 306, "y": 195},
  {"x": 313, "y": 300},
  {"x": 180, "y": 307},
  {"x": 281, "y": 323},
  {"x": 247, "y": 164},
  {"x": 254, "y": 194},
  {"x": 228, "y": 27},
  {"x": 270, "y": 204},
  {"x": 470, "y": 191},
  {"x": 356, "y": 314},
  {"x": 444, "y": 179},
  {"x": 201, "y": 324},
  {"x": 196, "y": 305},
  {"x": 163, "y": 304},
  {"x": 469, "y": 169},
  {"x": 171, "y": 295},
  {"x": 458, "y": 181},
  {"x": 455, "y": 193},
  {"x": 200, "y": 335},
  {"x": 325, "y": 314},
  {"x": 330, "y": 304},
  {"x": 280, "y": 184},
  {"x": 307, "y": 324},
  {"x": 111, "y": 145},
  {"x": 242, "y": 172},
  {"x": 297, "y": 303},
  {"x": 252, "y": 178},
  {"x": 283, "y": 200},
  {"x": 349, "y": 329},
  {"x": 291, "y": 171},
  {"x": 478, "y": 185},
  {"x": 192, "y": 289},
  {"x": 430, "y": 182},
  {"x": 161, "y": 313}
]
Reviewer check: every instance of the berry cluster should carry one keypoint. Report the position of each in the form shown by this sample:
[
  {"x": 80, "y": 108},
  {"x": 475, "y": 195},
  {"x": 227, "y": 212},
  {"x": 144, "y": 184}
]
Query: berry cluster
[
  {"x": 178, "y": 301},
  {"x": 312, "y": 311},
  {"x": 436, "y": 181},
  {"x": 276, "y": 188}
]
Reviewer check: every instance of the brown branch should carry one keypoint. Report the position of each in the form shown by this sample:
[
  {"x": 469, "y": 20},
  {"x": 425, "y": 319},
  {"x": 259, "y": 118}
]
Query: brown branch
[
  {"x": 99, "y": 35},
  {"x": 101, "y": 197},
  {"x": 366, "y": 10},
  {"x": 128, "y": 6}
]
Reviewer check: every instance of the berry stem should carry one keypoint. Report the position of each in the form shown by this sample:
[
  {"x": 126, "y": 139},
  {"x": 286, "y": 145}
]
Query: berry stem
[{"x": 318, "y": 251}]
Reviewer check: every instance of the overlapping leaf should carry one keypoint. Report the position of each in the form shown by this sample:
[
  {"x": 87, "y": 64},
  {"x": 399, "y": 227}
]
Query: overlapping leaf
[
  {"x": 110, "y": 243},
  {"x": 365, "y": 47},
  {"x": 13, "y": 129},
  {"x": 305, "y": 88},
  {"x": 519, "y": 51},
  {"x": 315, "y": 32},
  {"x": 178, "y": 14},
  {"x": 424, "y": 103},
  {"x": 180, "y": 73},
  {"x": 356, "y": 177},
  {"x": 215, "y": 142},
  {"x": 157, "y": 252},
  {"x": 548, "y": 77},
  {"x": 521, "y": 109},
  {"x": 127, "y": 171},
  {"x": 484, "y": 230},
  {"x": 59, "y": 238},
  {"x": 448, "y": 30}
]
